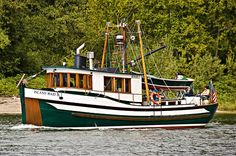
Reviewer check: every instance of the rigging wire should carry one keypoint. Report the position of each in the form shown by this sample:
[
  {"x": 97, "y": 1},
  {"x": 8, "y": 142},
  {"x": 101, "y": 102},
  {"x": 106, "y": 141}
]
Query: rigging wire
[
  {"x": 157, "y": 69},
  {"x": 132, "y": 49}
]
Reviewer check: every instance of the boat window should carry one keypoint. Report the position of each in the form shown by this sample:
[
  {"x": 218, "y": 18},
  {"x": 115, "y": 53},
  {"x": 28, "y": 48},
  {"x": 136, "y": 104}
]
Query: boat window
[
  {"x": 64, "y": 80},
  {"x": 117, "y": 84},
  {"x": 56, "y": 80},
  {"x": 72, "y": 80},
  {"x": 82, "y": 81},
  {"x": 107, "y": 83},
  {"x": 127, "y": 85},
  {"x": 89, "y": 82},
  {"x": 85, "y": 81}
]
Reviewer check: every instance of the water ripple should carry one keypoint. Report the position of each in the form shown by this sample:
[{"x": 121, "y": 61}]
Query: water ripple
[{"x": 218, "y": 138}]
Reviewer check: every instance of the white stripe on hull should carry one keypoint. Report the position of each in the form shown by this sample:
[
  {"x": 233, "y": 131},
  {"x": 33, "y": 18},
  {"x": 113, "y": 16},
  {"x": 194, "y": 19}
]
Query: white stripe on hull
[
  {"x": 127, "y": 113},
  {"x": 90, "y": 100}
]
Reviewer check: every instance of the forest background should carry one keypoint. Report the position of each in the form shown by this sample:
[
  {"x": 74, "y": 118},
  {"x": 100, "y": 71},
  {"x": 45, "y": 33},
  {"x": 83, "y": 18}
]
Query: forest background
[{"x": 200, "y": 36}]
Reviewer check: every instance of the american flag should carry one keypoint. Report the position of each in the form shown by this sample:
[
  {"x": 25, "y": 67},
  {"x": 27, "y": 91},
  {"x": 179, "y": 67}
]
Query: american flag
[{"x": 213, "y": 97}]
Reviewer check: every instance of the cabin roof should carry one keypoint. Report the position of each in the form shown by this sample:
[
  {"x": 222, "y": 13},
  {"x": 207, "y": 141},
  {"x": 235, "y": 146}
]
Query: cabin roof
[{"x": 70, "y": 69}]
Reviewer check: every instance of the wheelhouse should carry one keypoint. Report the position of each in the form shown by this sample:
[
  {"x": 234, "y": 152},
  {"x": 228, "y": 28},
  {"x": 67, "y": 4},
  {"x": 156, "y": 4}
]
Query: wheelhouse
[{"x": 121, "y": 86}]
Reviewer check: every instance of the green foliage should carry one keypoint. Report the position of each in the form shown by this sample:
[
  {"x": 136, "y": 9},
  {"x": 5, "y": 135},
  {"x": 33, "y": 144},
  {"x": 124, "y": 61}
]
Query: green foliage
[
  {"x": 202, "y": 69},
  {"x": 8, "y": 86},
  {"x": 4, "y": 40},
  {"x": 38, "y": 82},
  {"x": 200, "y": 36},
  {"x": 40, "y": 34}
]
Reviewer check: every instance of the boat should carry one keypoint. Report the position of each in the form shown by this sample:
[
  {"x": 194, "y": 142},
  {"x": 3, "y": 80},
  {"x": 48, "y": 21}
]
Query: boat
[{"x": 86, "y": 97}]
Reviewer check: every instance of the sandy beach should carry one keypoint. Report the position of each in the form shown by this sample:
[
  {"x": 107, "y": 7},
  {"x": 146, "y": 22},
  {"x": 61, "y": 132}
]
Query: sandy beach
[{"x": 10, "y": 105}]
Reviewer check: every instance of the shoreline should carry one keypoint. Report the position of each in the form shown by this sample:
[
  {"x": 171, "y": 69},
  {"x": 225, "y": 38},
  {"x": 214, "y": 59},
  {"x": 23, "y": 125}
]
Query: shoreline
[
  {"x": 225, "y": 112},
  {"x": 12, "y": 106}
]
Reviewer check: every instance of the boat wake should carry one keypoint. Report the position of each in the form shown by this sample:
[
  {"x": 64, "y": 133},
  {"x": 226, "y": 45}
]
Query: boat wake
[
  {"x": 33, "y": 127},
  {"x": 25, "y": 127},
  {"x": 45, "y": 128}
]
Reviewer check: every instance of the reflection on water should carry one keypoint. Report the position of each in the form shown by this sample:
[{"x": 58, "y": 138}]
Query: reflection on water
[{"x": 218, "y": 138}]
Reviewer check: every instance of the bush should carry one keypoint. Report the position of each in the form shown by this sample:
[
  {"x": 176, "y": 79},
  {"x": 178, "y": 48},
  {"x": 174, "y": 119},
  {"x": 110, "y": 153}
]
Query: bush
[{"x": 8, "y": 85}]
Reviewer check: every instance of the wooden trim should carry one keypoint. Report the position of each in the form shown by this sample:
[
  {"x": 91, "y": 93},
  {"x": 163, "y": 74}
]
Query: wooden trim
[
  {"x": 113, "y": 84},
  {"x": 50, "y": 80},
  {"x": 68, "y": 79},
  {"x": 127, "y": 118},
  {"x": 84, "y": 81},
  {"x": 32, "y": 111},
  {"x": 90, "y": 84},
  {"x": 129, "y": 86},
  {"x": 123, "y": 85},
  {"x": 77, "y": 80}
]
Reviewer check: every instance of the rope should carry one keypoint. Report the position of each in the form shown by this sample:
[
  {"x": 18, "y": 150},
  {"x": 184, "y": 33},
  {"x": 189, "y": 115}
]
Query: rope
[
  {"x": 132, "y": 50},
  {"x": 159, "y": 72}
]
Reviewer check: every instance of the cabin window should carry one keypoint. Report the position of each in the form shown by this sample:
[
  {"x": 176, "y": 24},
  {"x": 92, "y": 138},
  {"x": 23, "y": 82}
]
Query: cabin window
[
  {"x": 127, "y": 85},
  {"x": 89, "y": 81},
  {"x": 64, "y": 80},
  {"x": 56, "y": 80},
  {"x": 117, "y": 84},
  {"x": 82, "y": 81},
  {"x": 72, "y": 80},
  {"x": 107, "y": 83}
]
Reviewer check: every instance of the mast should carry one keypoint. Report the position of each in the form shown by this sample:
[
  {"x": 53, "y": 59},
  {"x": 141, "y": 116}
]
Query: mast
[
  {"x": 143, "y": 62},
  {"x": 105, "y": 45},
  {"x": 123, "y": 50}
]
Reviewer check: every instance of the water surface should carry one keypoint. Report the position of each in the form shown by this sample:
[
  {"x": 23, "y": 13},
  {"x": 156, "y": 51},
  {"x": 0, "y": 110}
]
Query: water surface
[{"x": 218, "y": 138}]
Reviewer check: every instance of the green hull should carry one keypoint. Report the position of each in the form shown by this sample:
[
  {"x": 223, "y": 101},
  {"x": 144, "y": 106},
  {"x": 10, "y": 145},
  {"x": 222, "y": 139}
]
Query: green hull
[
  {"x": 59, "y": 118},
  {"x": 40, "y": 112}
]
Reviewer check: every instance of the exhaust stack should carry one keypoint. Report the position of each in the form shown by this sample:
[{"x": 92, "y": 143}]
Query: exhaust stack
[{"x": 78, "y": 59}]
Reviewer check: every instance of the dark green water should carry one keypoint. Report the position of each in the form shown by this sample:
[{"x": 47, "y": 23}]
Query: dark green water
[{"x": 217, "y": 138}]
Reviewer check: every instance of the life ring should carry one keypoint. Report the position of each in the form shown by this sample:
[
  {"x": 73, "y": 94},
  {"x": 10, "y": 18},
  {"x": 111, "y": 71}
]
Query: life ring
[{"x": 153, "y": 99}]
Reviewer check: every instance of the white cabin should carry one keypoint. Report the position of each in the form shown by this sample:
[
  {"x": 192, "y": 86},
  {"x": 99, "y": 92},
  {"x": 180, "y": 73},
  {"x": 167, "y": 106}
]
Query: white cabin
[{"x": 119, "y": 86}]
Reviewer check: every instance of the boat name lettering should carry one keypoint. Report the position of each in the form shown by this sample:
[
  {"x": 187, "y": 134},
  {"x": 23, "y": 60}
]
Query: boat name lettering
[{"x": 44, "y": 93}]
